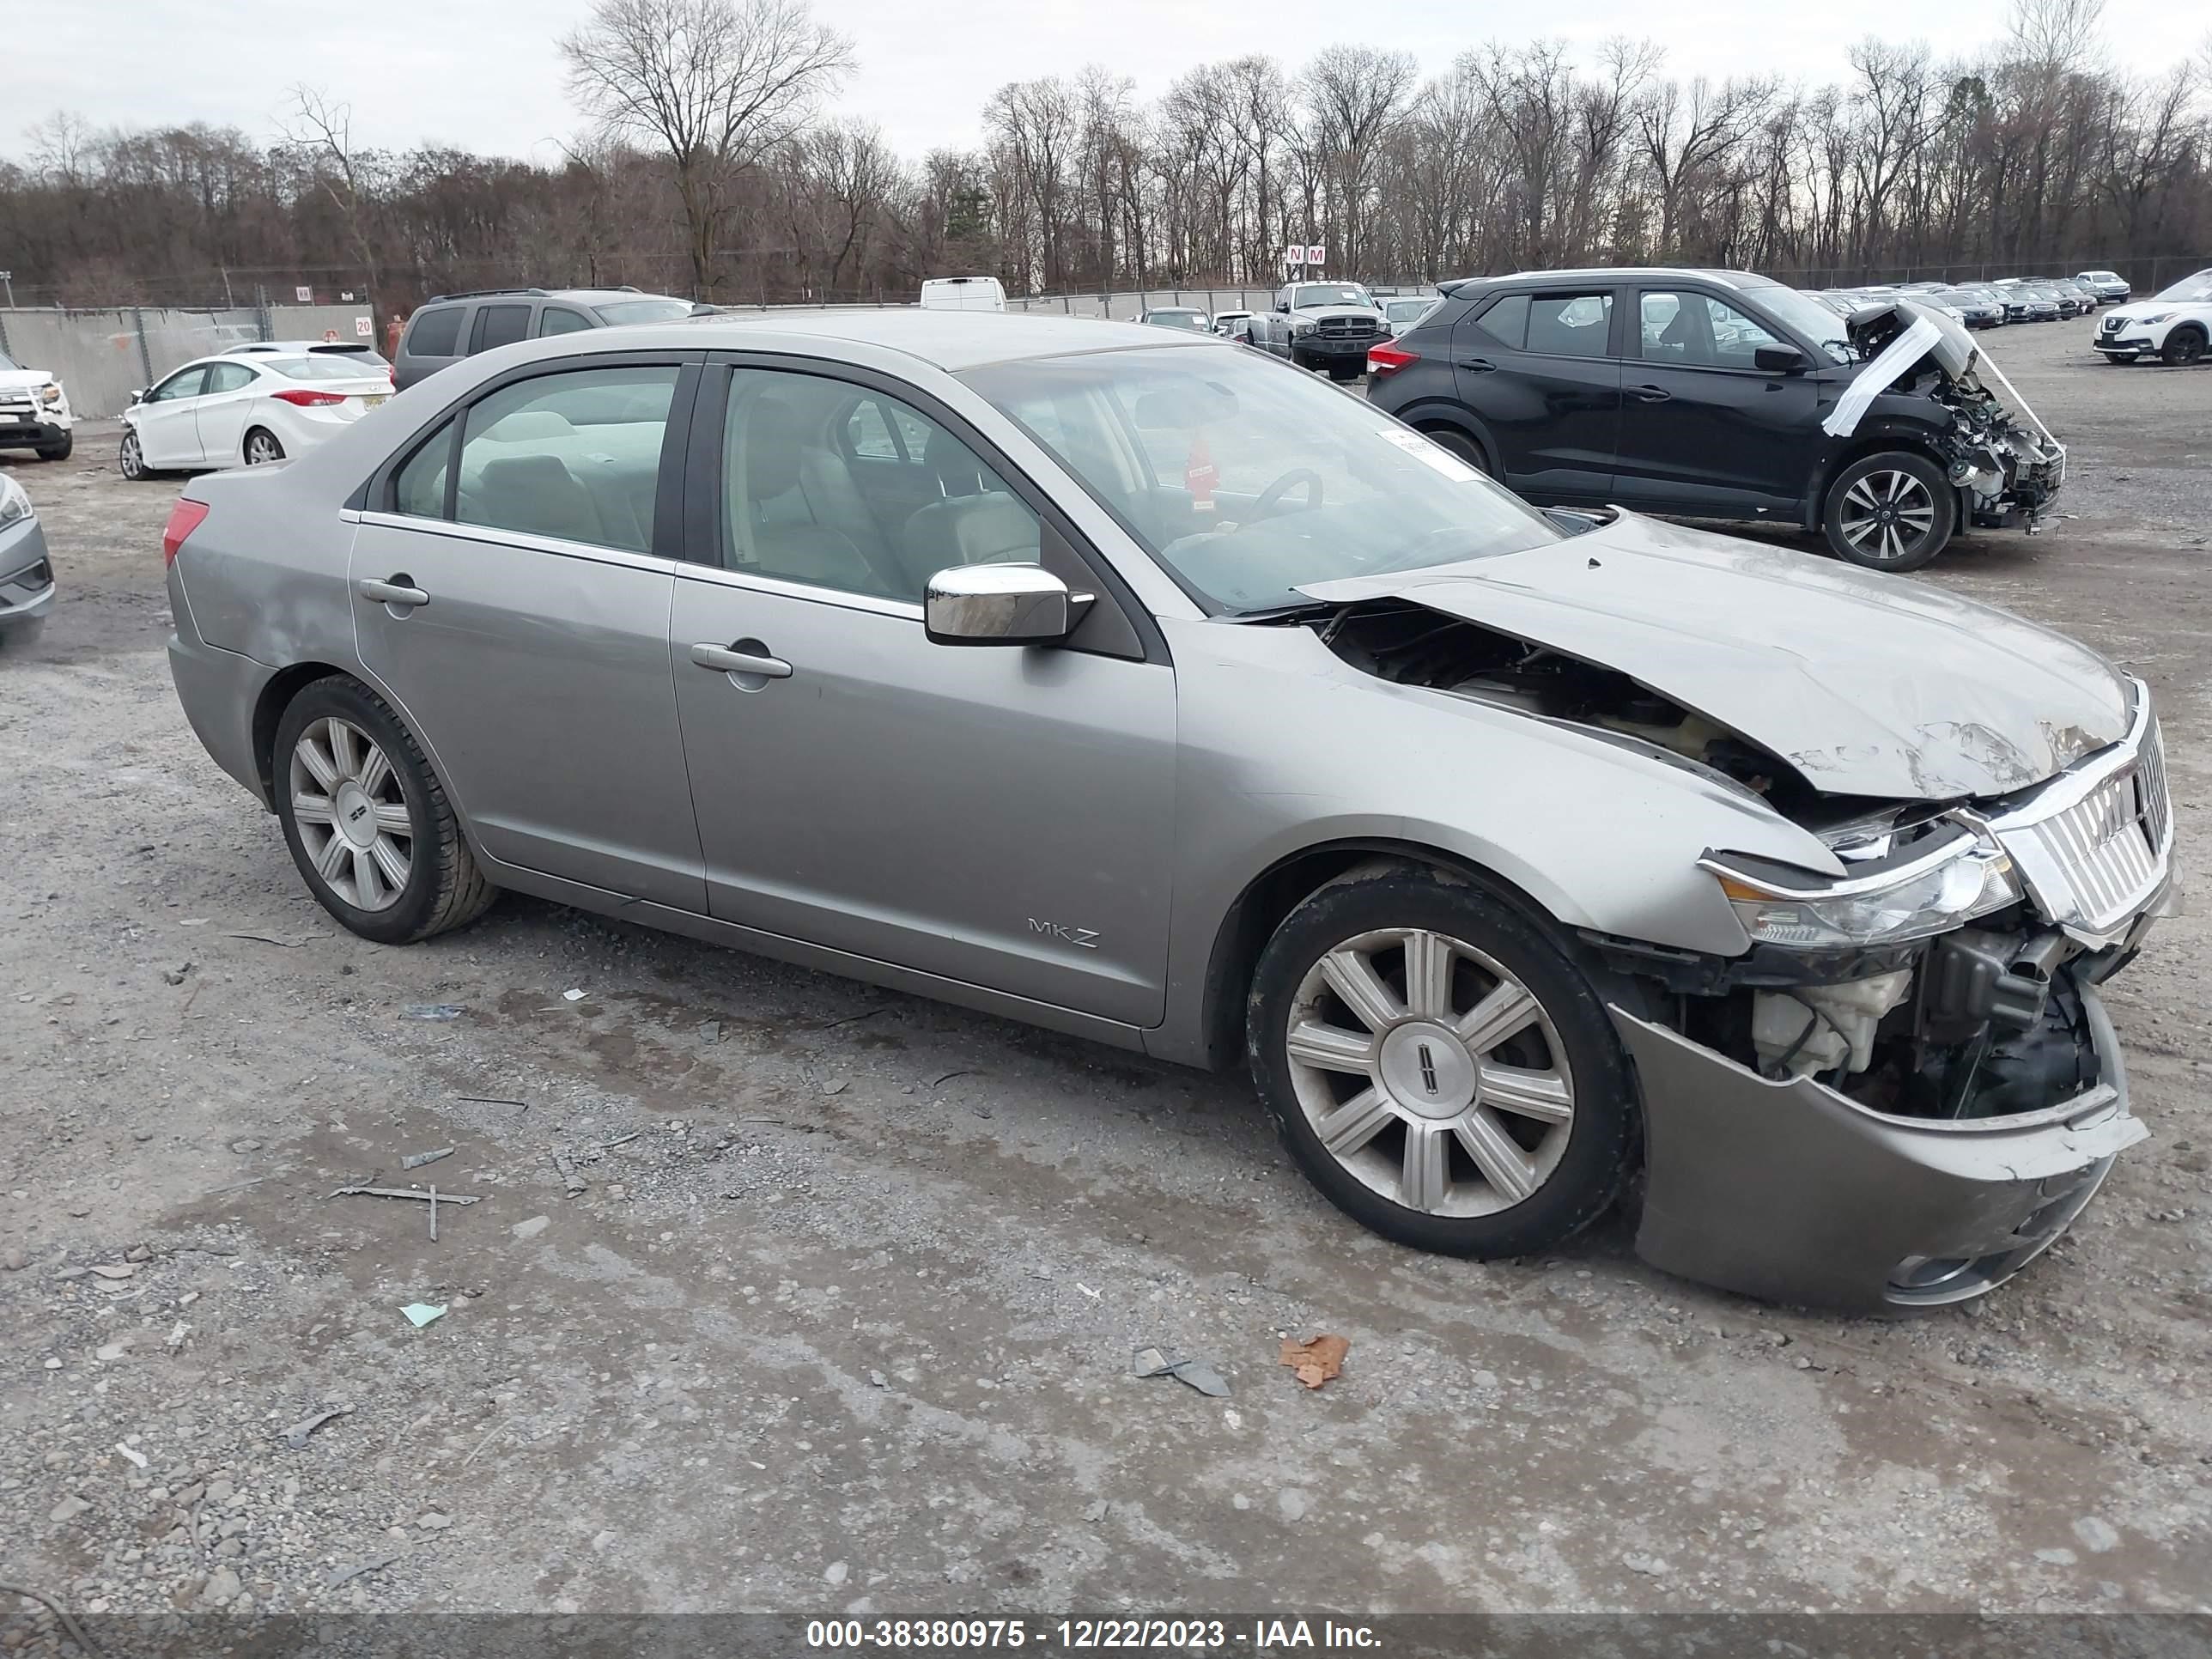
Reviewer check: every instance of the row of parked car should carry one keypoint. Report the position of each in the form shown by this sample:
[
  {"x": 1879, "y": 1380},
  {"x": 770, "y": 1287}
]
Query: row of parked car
[{"x": 1993, "y": 304}]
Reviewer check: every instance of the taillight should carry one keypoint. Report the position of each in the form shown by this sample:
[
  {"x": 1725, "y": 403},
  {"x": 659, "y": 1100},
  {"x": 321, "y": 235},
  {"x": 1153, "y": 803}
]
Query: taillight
[
  {"x": 392, "y": 373},
  {"x": 301, "y": 398},
  {"x": 184, "y": 519},
  {"x": 1385, "y": 360}
]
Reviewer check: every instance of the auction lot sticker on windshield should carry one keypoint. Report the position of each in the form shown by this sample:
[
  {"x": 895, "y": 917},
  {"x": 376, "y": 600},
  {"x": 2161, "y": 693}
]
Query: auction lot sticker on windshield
[{"x": 1422, "y": 450}]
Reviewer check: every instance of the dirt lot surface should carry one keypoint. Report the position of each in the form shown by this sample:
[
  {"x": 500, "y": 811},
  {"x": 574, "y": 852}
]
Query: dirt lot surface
[{"x": 842, "y": 1316}]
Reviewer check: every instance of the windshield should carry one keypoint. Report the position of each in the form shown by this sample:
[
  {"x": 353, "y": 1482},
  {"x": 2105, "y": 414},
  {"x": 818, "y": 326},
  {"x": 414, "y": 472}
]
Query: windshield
[
  {"x": 643, "y": 311},
  {"x": 1406, "y": 310},
  {"x": 1329, "y": 294},
  {"x": 2196, "y": 287},
  {"x": 1801, "y": 312},
  {"x": 320, "y": 367},
  {"x": 1248, "y": 479},
  {"x": 7, "y": 364},
  {"x": 1190, "y": 319}
]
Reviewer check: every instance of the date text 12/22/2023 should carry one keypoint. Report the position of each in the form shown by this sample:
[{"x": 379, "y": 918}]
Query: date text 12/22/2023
[{"x": 953, "y": 1634}]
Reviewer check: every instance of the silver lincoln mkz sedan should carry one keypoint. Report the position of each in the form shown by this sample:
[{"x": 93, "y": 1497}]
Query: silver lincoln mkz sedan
[{"x": 1144, "y": 689}]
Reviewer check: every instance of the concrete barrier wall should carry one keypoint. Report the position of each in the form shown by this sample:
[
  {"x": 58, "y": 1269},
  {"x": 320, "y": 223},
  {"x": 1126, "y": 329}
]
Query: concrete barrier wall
[{"x": 103, "y": 356}]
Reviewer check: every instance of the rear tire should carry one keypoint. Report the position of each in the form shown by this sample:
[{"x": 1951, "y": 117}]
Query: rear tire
[
  {"x": 1458, "y": 443},
  {"x": 1894, "y": 511},
  {"x": 1423, "y": 1117},
  {"x": 262, "y": 448},
  {"x": 379, "y": 845},
  {"x": 2184, "y": 346}
]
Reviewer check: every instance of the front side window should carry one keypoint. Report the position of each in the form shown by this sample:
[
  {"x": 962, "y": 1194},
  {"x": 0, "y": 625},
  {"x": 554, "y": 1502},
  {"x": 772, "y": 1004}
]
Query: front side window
[
  {"x": 420, "y": 490},
  {"x": 1570, "y": 324},
  {"x": 575, "y": 455},
  {"x": 184, "y": 383},
  {"x": 436, "y": 333},
  {"x": 499, "y": 325},
  {"x": 793, "y": 510},
  {"x": 1247, "y": 483},
  {"x": 1694, "y": 330}
]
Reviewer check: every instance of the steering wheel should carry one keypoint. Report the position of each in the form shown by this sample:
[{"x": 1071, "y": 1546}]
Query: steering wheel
[{"x": 1274, "y": 494}]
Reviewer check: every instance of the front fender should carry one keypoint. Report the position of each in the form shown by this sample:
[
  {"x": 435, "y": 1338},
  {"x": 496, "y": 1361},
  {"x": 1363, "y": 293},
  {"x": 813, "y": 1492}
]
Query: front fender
[{"x": 1285, "y": 748}]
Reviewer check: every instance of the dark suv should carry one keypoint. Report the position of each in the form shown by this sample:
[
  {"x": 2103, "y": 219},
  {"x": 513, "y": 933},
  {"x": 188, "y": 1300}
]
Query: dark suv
[
  {"x": 451, "y": 327},
  {"x": 1720, "y": 394}
]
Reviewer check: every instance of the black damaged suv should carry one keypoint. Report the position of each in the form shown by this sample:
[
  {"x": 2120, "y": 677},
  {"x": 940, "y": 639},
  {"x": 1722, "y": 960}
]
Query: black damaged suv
[{"x": 1724, "y": 395}]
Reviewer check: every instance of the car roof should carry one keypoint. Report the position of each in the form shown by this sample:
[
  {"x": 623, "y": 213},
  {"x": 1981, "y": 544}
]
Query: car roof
[
  {"x": 950, "y": 340},
  {"x": 1615, "y": 273}
]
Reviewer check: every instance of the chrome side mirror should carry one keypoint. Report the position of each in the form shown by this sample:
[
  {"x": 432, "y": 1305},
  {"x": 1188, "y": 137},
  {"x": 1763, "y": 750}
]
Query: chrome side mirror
[
  {"x": 139, "y": 397},
  {"x": 998, "y": 604}
]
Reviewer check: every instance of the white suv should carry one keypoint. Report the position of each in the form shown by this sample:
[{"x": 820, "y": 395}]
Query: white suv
[
  {"x": 35, "y": 412},
  {"x": 2175, "y": 325}
]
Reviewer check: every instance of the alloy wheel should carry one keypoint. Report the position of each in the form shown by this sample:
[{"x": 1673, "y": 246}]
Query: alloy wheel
[
  {"x": 133, "y": 459},
  {"x": 351, "y": 814},
  {"x": 1887, "y": 514},
  {"x": 1430, "y": 1073},
  {"x": 261, "y": 449}
]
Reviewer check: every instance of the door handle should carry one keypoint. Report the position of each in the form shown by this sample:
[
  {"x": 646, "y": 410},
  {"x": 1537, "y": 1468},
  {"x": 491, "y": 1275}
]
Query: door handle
[
  {"x": 723, "y": 661},
  {"x": 1649, "y": 394},
  {"x": 398, "y": 590},
  {"x": 1482, "y": 364}
]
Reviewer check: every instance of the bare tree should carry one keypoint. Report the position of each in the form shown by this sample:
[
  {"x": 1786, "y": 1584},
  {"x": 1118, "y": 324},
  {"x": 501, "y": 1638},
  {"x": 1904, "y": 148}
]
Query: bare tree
[
  {"x": 717, "y": 86},
  {"x": 320, "y": 132}
]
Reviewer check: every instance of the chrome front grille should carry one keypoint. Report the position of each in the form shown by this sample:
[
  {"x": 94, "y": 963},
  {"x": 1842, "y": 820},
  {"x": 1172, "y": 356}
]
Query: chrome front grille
[
  {"x": 2094, "y": 844},
  {"x": 1349, "y": 326}
]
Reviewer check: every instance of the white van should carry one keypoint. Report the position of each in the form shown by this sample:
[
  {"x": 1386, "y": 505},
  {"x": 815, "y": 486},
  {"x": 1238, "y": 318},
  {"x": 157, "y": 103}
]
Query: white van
[{"x": 963, "y": 293}]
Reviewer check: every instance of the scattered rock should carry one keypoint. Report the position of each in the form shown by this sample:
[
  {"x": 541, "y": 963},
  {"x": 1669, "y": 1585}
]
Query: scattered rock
[
  {"x": 15, "y": 1259},
  {"x": 245, "y": 1144},
  {"x": 1650, "y": 1565},
  {"x": 433, "y": 1521},
  {"x": 1292, "y": 1505},
  {"x": 835, "y": 1572},
  {"x": 221, "y": 1492},
  {"x": 2097, "y": 1535},
  {"x": 531, "y": 1228},
  {"x": 223, "y": 1588},
  {"x": 68, "y": 1510},
  {"x": 175, "y": 975},
  {"x": 2056, "y": 1557}
]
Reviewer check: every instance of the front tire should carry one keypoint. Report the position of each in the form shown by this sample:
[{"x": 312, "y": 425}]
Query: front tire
[
  {"x": 1438, "y": 1067},
  {"x": 1894, "y": 511},
  {"x": 2184, "y": 346},
  {"x": 131, "y": 459},
  {"x": 368, "y": 823},
  {"x": 262, "y": 448},
  {"x": 59, "y": 450}
]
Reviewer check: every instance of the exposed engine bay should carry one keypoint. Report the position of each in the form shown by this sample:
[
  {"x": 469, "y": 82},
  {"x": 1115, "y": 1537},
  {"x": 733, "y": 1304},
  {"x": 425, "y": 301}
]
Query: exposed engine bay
[
  {"x": 2007, "y": 464},
  {"x": 1981, "y": 1021}
]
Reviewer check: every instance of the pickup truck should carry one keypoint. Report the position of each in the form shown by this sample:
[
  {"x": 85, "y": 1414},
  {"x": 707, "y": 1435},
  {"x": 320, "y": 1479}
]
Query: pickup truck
[{"x": 1322, "y": 325}]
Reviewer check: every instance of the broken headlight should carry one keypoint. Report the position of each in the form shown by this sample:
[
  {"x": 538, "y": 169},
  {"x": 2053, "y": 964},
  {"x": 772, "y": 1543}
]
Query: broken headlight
[{"x": 1929, "y": 892}]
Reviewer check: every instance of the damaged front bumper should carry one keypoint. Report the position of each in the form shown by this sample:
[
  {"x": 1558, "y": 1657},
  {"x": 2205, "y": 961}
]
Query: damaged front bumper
[{"x": 1793, "y": 1192}]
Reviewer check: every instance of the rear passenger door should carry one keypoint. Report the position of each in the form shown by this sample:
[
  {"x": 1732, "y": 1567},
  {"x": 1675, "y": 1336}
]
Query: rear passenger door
[
  {"x": 1541, "y": 369},
  {"x": 511, "y": 588}
]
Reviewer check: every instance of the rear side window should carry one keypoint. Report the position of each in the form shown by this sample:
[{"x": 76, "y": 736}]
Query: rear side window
[
  {"x": 436, "y": 333},
  {"x": 1570, "y": 324},
  {"x": 499, "y": 325},
  {"x": 229, "y": 377},
  {"x": 1507, "y": 322},
  {"x": 559, "y": 319},
  {"x": 575, "y": 455}
]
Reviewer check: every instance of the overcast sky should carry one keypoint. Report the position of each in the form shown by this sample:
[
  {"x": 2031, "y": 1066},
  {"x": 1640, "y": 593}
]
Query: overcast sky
[{"x": 485, "y": 75}]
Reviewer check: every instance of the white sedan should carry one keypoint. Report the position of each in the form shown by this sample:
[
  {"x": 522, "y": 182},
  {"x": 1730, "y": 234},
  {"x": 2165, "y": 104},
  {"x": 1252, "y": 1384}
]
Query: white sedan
[{"x": 232, "y": 410}]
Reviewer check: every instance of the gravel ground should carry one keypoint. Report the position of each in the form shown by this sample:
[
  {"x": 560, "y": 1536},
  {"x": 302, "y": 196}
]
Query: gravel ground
[{"x": 841, "y": 1317}]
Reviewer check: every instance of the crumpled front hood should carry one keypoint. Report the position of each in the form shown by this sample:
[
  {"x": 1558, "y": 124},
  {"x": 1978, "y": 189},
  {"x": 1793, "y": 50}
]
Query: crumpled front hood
[
  {"x": 1868, "y": 684},
  {"x": 23, "y": 379}
]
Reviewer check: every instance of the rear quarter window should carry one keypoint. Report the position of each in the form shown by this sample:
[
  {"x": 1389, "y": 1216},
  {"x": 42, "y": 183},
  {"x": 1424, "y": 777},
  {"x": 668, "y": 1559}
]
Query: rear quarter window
[{"x": 436, "y": 333}]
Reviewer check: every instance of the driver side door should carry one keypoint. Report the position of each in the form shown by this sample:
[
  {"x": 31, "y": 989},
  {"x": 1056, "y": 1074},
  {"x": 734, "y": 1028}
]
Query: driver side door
[{"x": 167, "y": 420}]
